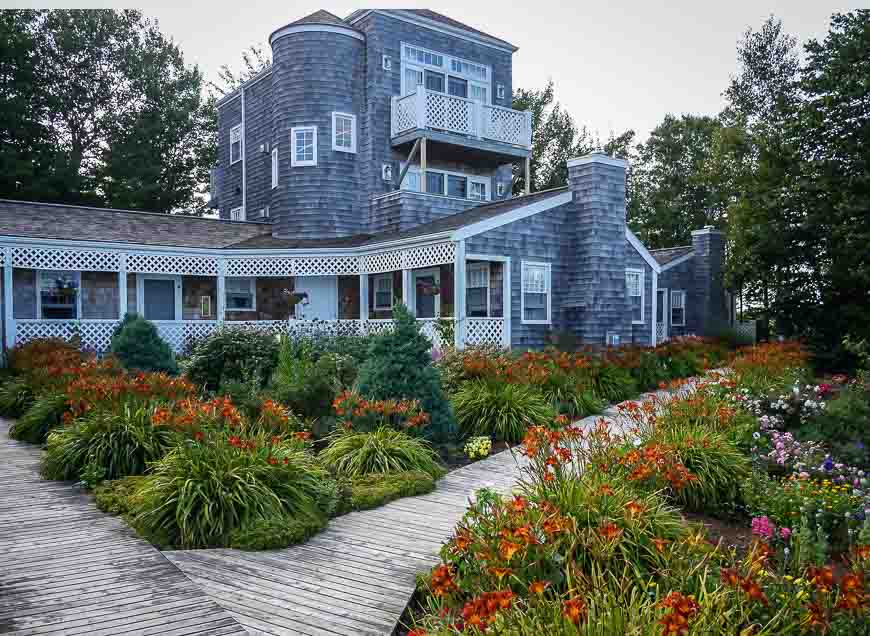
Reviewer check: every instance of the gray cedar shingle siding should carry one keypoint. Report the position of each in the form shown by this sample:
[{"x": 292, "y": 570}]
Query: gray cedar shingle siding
[
  {"x": 641, "y": 334},
  {"x": 402, "y": 210},
  {"x": 682, "y": 277}
]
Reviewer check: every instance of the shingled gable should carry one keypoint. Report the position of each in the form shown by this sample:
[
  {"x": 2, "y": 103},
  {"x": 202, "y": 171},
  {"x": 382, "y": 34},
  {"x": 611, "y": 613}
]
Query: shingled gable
[{"x": 670, "y": 256}]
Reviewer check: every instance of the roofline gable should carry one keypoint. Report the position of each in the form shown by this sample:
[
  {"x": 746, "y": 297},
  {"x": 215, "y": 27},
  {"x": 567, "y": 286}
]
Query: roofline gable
[
  {"x": 643, "y": 251},
  {"x": 677, "y": 261},
  {"x": 511, "y": 216}
]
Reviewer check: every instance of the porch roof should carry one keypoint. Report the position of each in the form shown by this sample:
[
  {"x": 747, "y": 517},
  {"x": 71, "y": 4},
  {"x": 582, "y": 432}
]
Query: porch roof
[{"x": 666, "y": 255}]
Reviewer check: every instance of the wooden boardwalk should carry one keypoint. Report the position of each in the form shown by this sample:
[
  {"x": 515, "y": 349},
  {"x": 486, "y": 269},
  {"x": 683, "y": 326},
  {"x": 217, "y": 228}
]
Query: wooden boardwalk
[{"x": 67, "y": 569}]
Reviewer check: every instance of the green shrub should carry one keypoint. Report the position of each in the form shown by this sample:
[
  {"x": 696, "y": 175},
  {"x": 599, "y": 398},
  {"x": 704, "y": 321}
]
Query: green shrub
[
  {"x": 139, "y": 347},
  {"x": 650, "y": 371},
  {"x": 384, "y": 450},
  {"x": 570, "y": 396},
  {"x": 400, "y": 367},
  {"x": 201, "y": 491},
  {"x": 274, "y": 533},
  {"x": 44, "y": 414},
  {"x": 112, "y": 445},
  {"x": 611, "y": 383},
  {"x": 119, "y": 496},
  {"x": 16, "y": 397},
  {"x": 306, "y": 385},
  {"x": 844, "y": 426},
  {"x": 372, "y": 491},
  {"x": 229, "y": 355},
  {"x": 501, "y": 410}
]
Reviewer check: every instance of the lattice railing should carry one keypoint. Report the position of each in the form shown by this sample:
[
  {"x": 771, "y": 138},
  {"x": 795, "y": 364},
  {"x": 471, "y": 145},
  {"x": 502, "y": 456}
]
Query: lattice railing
[
  {"x": 661, "y": 332},
  {"x": 507, "y": 125},
  {"x": 94, "y": 335},
  {"x": 481, "y": 331},
  {"x": 747, "y": 330},
  {"x": 447, "y": 112},
  {"x": 82, "y": 260},
  {"x": 404, "y": 114}
]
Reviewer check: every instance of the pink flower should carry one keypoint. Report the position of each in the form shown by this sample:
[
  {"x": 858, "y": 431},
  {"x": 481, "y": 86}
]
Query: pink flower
[
  {"x": 763, "y": 527},
  {"x": 785, "y": 533}
]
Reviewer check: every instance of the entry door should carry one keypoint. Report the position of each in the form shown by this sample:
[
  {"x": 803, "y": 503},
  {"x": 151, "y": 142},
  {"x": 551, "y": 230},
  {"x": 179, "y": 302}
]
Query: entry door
[
  {"x": 426, "y": 303},
  {"x": 158, "y": 298},
  {"x": 322, "y": 301},
  {"x": 662, "y": 311}
]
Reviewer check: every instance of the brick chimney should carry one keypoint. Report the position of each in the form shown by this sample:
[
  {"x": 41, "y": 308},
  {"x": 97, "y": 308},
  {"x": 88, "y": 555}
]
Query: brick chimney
[
  {"x": 595, "y": 299},
  {"x": 707, "y": 301}
]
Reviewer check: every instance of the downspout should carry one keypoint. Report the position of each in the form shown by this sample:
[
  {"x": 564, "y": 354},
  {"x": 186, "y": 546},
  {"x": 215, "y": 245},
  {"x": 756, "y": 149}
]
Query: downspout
[{"x": 244, "y": 157}]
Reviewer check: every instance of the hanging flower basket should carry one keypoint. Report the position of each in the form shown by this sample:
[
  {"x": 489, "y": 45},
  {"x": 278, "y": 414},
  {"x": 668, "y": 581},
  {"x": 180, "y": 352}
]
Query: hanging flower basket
[{"x": 428, "y": 289}]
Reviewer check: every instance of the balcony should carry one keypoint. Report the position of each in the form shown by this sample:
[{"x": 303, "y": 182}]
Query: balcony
[{"x": 459, "y": 121}]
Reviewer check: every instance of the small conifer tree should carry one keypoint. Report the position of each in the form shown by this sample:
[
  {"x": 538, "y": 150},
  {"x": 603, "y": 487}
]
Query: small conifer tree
[{"x": 138, "y": 346}]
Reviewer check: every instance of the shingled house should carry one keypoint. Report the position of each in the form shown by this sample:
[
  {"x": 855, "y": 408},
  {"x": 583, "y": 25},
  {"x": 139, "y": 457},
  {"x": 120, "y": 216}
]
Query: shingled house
[{"x": 370, "y": 164}]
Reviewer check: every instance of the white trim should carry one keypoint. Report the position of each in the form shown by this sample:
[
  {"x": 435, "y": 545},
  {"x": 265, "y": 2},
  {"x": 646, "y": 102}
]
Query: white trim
[
  {"x": 517, "y": 214},
  {"x": 239, "y": 130},
  {"x": 682, "y": 293},
  {"x": 140, "y": 293},
  {"x": 275, "y": 165},
  {"x": 464, "y": 34},
  {"x": 352, "y": 148},
  {"x": 678, "y": 261},
  {"x": 506, "y": 299},
  {"x": 77, "y": 275},
  {"x": 252, "y": 284},
  {"x": 241, "y": 210},
  {"x": 299, "y": 163},
  {"x": 487, "y": 187},
  {"x": 642, "y": 281},
  {"x": 388, "y": 276},
  {"x": 459, "y": 310},
  {"x": 8, "y": 315},
  {"x": 549, "y": 292},
  {"x": 478, "y": 266},
  {"x": 654, "y": 298},
  {"x": 315, "y": 28},
  {"x": 597, "y": 157},
  {"x": 642, "y": 250},
  {"x": 226, "y": 99},
  {"x": 414, "y": 169},
  {"x": 446, "y": 71}
]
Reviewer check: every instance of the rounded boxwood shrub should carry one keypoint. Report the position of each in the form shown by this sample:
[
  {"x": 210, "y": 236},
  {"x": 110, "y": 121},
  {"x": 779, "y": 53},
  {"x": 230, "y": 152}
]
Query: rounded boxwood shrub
[
  {"x": 501, "y": 410},
  {"x": 399, "y": 367},
  {"x": 232, "y": 355},
  {"x": 106, "y": 444},
  {"x": 274, "y": 533},
  {"x": 44, "y": 414},
  {"x": 381, "y": 451},
  {"x": 138, "y": 346}
]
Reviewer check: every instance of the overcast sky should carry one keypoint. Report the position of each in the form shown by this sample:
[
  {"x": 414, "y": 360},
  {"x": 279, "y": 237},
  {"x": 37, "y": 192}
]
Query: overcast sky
[{"x": 616, "y": 64}]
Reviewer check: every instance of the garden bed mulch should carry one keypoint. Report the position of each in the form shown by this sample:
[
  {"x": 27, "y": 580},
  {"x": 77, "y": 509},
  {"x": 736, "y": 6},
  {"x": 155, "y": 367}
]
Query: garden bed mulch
[{"x": 736, "y": 534}]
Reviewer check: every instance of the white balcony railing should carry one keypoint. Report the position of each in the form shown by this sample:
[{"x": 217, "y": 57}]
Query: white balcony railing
[{"x": 439, "y": 111}]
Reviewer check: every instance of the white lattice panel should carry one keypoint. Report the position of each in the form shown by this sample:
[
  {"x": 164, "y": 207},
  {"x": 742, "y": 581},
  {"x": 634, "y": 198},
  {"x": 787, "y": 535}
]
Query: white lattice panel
[
  {"x": 372, "y": 327},
  {"x": 449, "y": 113},
  {"x": 504, "y": 124},
  {"x": 323, "y": 327},
  {"x": 746, "y": 329},
  {"x": 271, "y": 326},
  {"x": 94, "y": 335},
  {"x": 661, "y": 332},
  {"x": 383, "y": 262},
  {"x": 179, "y": 334},
  {"x": 259, "y": 266},
  {"x": 169, "y": 264},
  {"x": 481, "y": 331},
  {"x": 438, "y": 254},
  {"x": 82, "y": 260},
  {"x": 326, "y": 265},
  {"x": 404, "y": 114}
]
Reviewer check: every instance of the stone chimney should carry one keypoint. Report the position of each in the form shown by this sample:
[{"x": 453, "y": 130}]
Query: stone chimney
[
  {"x": 707, "y": 300},
  {"x": 595, "y": 299}
]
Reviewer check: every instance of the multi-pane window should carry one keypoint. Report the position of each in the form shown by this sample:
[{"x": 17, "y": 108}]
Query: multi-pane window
[
  {"x": 383, "y": 292},
  {"x": 435, "y": 182},
  {"x": 240, "y": 294},
  {"x": 678, "y": 308},
  {"x": 421, "y": 56},
  {"x": 235, "y": 143},
  {"x": 536, "y": 292},
  {"x": 343, "y": 132},
  {"x": 58, "y": 295},
  {"x": 469, "y": 69},
  {"x": 443, "y": 74},
  {"x": 457, "y": 86},
  {"x": 237, "y": 214},
  {"x": 435, "y": 81},
  {"x": 457, "y": 186},
  {"x": 274, "y": 167},
  {"x": 634, "y": 292},
  {"x": 478, "y": 93},
  {"x": 477, "y": 290},
  {"x": 452, "y": 184},
  {"x": 303, "y": 145},
  {"x": 477, "y": 189}
]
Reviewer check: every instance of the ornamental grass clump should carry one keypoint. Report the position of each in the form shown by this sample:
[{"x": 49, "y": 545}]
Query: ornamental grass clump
[
  {"x": 45, "y": 414},
  {"x": 503, "y": 411},
  {"x": 205, "y": 489},
  {"x": 384, "y": 450},
  {"x": 16, "y": 396}
]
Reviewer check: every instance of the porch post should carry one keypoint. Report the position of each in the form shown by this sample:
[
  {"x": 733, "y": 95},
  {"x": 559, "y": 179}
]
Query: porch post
[
  {"x": 528, "y": 174},
  {"x": 459, "y": 294},
  {"x": 8, "y": 316},
  {"x": 506, "y": 302},
  {"x": 655, "y": 298},
  {"x": 221, "y": 291},
  {"x": 122, "y": 285},
  {"x": 363, "y": 300},
  {"x": 423, "y": 164},
  {"x": 406, "y": 290}
]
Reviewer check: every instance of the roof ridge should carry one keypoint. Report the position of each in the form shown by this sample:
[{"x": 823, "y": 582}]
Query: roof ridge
[
  {"x": 675, "y": 247},
  {"x": 522, "y": 196}
]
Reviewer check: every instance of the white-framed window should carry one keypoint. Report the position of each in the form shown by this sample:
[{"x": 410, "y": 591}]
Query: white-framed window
[
  {"x": 500, "y": 92},
  {"x": 58, "y": 294},
  {"x": 386, "y": 63},
  {"x": 451, "y": 184},
  {"x": 303, "y": 146},
  {"x": 237, "y": 214},
  {"x": 634, "y": 292},
  {"x": 444, "y": 73},
  {"x": 535, "y": 299},
  {"x": 205, "y": 306},
  {"x": 343, "y": 132},
  {"x": 477, "y": 290},
  {"x": 383, "y": 292},
  {"x": 678, "y": 308},
  {"x": 500, "y": 189},
  {"x": 274, "y": 167},
  {"x": 235, "y": 144},
  {"x": 241, "y": 294}
]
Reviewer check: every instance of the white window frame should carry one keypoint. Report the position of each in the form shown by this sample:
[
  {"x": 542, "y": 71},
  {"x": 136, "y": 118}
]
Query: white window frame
[
  {"x": 486, "y": 182},
  {"x": 640, "y": 274},
  {"x": 681, "y": 294},
  {"x": 469, "y": 179},
  {"x": 252, "y": 283},
  {"x": 375, "y": 280},
  {"x": 486, "y": 277},
  {"x": 549, "y": 291},
  {"x": 237, "y": 212},
  {"x": 300, "y": 163},
  {"x": 446, "y": 69},
  {"x": 140, "y": 295},
  {"x": 274, "y": 167},
  {"x": 335, "y": 117},
  {"x": 237, "y": 131},
  {"x": 77, "y": 276}
]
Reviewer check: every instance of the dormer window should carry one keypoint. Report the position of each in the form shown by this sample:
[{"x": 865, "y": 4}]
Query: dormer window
[{"x": 235, "y": 144}]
